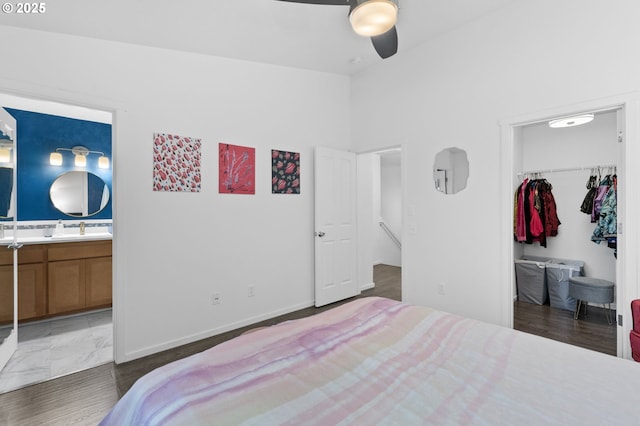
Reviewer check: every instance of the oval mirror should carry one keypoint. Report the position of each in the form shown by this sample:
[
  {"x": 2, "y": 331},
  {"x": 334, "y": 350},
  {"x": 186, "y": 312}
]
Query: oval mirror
[
  {"x": 451, "y": 170},
  {"x": 78, "y": 193}
]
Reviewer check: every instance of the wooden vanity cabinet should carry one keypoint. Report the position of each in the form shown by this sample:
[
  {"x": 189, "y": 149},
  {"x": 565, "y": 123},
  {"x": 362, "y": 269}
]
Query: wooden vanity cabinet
[
  {"x": 55, "y": 279},
  {"x": 32, "y": 291},
  {"x": 79, "y": 276}
]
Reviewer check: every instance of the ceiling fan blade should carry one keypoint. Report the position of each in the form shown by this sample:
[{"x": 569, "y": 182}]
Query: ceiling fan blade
[
  {"x": 327, "y": 2},
  {"x": 386, "y": 44}
]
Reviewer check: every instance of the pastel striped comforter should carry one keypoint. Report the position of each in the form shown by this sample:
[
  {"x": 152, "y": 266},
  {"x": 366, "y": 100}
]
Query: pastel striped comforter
[{"x": 374, "y": 361}]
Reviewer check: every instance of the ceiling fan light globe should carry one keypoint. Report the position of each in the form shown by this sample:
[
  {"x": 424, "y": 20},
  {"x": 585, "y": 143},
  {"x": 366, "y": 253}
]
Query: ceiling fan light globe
[{"x": 373, "y": 17}]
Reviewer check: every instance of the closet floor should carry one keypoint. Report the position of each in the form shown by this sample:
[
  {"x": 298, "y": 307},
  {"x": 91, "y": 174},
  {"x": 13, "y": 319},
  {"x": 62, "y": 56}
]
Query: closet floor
[
  {"x": 590, "y": 332},
  {"x": 57, "y": 347}
]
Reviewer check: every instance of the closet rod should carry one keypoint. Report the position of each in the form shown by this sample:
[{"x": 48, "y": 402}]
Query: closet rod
[{"x": 569, "y": 169}]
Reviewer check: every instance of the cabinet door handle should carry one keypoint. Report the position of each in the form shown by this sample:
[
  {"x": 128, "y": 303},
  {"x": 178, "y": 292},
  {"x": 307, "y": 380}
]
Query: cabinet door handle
[
  {"x": 320, "y": 234},
  {"x": 15, "y": 246}
]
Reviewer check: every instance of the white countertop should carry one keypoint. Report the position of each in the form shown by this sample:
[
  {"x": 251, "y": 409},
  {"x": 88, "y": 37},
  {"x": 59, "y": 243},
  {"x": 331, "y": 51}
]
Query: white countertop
[{"x": 66, "y": 238}]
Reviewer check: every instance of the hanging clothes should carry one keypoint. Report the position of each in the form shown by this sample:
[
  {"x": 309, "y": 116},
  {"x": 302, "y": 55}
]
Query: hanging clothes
[
  {"x": 520, "y": 232},
  {"x": 606, "y": 225},
  {"x": 592, "y": 185},
  {"x": 551, "y": 220},
  {"x": 601, "y": 192},
  {"x": 535, "y": 222},
  {"x": 535, "y": 215}
]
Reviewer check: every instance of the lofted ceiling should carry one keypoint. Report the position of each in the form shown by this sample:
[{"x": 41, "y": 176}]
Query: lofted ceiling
[{"x": 314, "y": 37}]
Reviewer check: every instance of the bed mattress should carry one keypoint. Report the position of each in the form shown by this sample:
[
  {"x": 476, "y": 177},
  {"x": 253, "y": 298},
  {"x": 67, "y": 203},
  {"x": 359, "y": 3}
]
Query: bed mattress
[{"x": 379, "y": 361}]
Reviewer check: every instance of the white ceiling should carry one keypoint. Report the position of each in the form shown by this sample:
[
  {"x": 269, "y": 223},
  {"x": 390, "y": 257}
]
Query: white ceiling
[{"x": 314, "y": 37}]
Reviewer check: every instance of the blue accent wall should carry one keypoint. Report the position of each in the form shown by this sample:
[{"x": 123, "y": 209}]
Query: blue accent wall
[{"x": 39, "y": 135}]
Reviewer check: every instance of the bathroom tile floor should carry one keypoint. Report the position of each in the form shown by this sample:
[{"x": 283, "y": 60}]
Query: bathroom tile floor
[{"x": 58, "y": 347}]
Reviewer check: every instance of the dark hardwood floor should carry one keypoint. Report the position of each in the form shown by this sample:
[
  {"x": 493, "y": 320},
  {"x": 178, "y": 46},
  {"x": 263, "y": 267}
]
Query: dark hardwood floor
[
  {"x": 84, "y": 398},
  {"x": 590, "y": 332}
]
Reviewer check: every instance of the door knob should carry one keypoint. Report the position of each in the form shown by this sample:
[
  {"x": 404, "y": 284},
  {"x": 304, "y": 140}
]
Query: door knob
[{"x": 320, "y": 234}]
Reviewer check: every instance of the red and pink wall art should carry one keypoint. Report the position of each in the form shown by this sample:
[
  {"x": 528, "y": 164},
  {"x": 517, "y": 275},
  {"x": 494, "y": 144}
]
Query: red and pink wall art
[{"x": 237, "y": 169}]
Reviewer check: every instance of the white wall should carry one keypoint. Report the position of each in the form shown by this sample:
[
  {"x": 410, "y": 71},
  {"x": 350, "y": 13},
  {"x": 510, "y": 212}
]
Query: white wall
[
  {"x": 453, "y": 91},
  {"x": 545, "y": 148},
  {"x": 174, "y": 250}
]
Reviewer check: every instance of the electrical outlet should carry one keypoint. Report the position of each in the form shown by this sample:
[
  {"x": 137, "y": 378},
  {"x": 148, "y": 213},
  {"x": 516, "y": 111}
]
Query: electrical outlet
[
  {"x": 441, "y": 289},
  {"x": 251, "y": 291},
  {"x": 215, "y": 299}
]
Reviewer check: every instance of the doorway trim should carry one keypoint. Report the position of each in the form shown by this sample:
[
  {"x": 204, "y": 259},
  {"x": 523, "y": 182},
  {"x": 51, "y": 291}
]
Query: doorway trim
[
  {"x": 627, "y": 287},
  {"x": 365, "y": 208}
]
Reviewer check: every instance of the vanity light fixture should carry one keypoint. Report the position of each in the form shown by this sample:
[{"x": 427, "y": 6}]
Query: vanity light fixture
[
  {"x": 81, "y": 153},
  {"x": 576, "y": 120},
  {"x": 5, "y": 153},
  {"x": 373, "y": 17}
]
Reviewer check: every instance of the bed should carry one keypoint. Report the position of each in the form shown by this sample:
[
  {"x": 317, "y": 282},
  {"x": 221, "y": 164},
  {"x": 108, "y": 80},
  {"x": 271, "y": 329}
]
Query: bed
[{"x": 375, "y": 360}]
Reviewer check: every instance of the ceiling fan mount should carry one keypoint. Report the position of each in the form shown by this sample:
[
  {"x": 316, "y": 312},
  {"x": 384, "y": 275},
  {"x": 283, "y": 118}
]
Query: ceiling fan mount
[{"x": 370, "y": 18}]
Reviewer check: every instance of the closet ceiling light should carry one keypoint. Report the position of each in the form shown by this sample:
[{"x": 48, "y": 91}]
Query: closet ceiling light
[{"x": 571, "y": 121}]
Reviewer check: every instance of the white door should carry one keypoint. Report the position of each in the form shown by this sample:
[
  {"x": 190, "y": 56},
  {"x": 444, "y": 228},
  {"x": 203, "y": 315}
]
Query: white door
[
  {"x": 335, "y": 226},
  {"x": 8, "y": 273}
]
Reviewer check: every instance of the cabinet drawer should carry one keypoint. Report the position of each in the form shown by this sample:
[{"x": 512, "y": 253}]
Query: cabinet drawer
[
  {"x": 68, "y": 251},
  {"x": 27, "y": 254},
  {"x": 6, "y": 255}
]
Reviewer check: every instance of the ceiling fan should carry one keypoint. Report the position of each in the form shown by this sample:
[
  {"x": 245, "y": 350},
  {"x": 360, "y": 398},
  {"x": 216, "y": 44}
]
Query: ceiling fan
[{"x": 370, "y": 18}]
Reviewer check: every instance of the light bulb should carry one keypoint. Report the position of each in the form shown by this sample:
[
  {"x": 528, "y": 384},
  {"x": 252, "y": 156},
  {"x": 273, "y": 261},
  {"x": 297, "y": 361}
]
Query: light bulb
[
  {"x": 103, "y": 162},
  {"x": 81, "y": 160},
  {"x": 5, "y": 155},
  {"x": 55, "y": 159}
]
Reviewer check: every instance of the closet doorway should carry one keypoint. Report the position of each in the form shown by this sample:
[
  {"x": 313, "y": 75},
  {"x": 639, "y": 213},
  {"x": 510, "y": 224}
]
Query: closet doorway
[
  {"x": 566, "y": 159},
  {"x": 571, "y": 164}
]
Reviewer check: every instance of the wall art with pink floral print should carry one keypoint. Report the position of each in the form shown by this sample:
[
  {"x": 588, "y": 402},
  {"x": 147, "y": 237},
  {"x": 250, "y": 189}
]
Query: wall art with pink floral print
[
  {"x": 176, "y": 163},
  {"x": 285, "y": 172}
]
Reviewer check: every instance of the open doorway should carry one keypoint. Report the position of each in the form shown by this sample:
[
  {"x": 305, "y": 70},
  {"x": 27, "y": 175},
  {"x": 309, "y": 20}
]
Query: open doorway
[
  {"x": 567, "y": 167},
  {"x": 626, "y": 139},
  {"x": 64, "y": 264},
  {"x": 380, "y": 218}
]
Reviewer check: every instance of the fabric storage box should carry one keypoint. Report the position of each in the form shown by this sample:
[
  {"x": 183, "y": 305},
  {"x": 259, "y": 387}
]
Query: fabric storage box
[
  {"x": 558, "y": 272},
  {"x": 531, "y": 280}
]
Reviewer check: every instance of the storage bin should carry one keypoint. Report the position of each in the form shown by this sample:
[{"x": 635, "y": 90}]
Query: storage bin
[
  {"x": 558, "y": 272},
  {"x": 539, "y": 279},
  {"x": 531, "y": 281}
]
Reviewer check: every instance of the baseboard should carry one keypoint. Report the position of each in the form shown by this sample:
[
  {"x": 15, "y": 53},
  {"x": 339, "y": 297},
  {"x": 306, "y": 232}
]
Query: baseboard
[
  {"x": 367, "y": 286},
  {"x": 150, "y": 350}
]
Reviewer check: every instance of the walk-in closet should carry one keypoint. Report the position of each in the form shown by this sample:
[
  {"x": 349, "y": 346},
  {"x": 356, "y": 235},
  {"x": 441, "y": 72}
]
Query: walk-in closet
[{"x": 563, "y": 174}]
